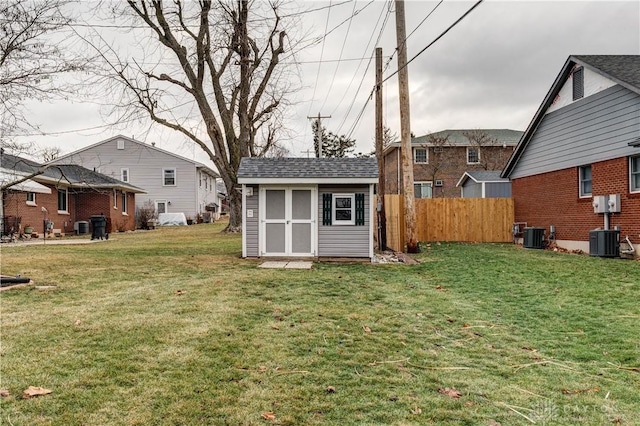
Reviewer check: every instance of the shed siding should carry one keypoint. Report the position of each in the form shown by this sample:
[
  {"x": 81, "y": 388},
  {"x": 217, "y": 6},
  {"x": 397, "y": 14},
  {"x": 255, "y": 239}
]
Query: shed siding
[
  {"x": 145, "y": 166},
  {"x": 344, "y": 240},
  {"x": 471, "y": 189},
  {"x": 596, "y": 128},
  {"x": 497, "y": 189},
  {"x": 252, "y": 223}
]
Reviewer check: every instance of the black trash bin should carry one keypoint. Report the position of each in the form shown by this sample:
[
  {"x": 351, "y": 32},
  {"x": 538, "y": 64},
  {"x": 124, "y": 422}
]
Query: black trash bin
[{"x": 98, "y": 227}]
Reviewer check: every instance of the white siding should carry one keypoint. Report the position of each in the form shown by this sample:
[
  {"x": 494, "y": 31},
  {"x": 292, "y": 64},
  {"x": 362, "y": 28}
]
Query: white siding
[{"x": 593, "y": 83}]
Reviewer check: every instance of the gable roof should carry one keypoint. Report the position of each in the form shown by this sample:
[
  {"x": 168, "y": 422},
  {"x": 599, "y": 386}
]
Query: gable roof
[
  {"x": 457, "y": 137},
  {"x": 308, "y": 170},
  {"x": 68, "y": 174},
  {"x": 147, "y": 146},
  {"x": 622, "y": 69},
  {"x": 481, "y": 176}
]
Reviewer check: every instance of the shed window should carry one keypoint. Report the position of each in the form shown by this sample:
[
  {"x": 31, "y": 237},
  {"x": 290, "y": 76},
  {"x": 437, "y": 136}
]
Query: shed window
[
  {"x": 420, "y": 155},
  {"x": 423, "y": 190},
  {"x": 578, "y": 84},
  {"x": 343, "y": 209},
  {"x": 343, "y": 213},
  {"x": 585, "y": 181},
  {"x": 169, "y": 177},
  {"x": 31, "y": 198},
  {"x": 63, "y": 200},
  {"x": 473, "y": 155},
  {"x": 634, "y": 165}
]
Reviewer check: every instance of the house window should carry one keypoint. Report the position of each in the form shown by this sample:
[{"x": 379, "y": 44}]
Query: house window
[
  {"x": 420, "y": 155},
  {"x": 578, "y": 84},
  {"x": 120, "y": 144},
  {"x": 31, "y": 198},
  {"x": 343, "y": 209},
  {"x": 423, "y": 189},
  {"x": 634, "y": 165},
  {"x": 169, "y": 177},
  {"x": 200, "y": 180},
  {"x": 585, "y": 181},
  {"x": 124, "y": 175},
  {"x": 63, "y": 200},
  {"x": 115, "y": 199},
  {"x": 473, "y": 155},
  {"x": 124, "y": 202},
  {"x": 206, "y": 182},
  {"x": 161, "y": 206}
]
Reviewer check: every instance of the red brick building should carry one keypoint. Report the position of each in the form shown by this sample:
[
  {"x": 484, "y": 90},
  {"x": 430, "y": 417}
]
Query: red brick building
[
  {"x": 441, "y": 158},
  {"x": 64, "y": 195},
  {"x": 582, "y": 144}
]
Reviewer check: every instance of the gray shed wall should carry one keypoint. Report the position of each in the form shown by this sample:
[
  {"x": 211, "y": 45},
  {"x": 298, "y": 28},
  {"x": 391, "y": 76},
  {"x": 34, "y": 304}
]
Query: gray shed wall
[
  {"x": 344, "y": 240},
  {"x": 497, "y": 190},
  {"x": 471, "y": 189},
  {"x": 596, "y": 128},
  {"x": 252, "y": 223}
]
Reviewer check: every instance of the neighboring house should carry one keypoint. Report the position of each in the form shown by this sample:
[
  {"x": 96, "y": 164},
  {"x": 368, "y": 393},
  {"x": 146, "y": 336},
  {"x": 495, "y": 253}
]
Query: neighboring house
[
  {"x": 484, "y": 184},
  {"x": 582, "y": 143},
  {"x": 439, "y": 159},
  {"x": 308, "y": 207},
  {"x": 63, "y": 194},
  {"x": 173, "y": 184}
]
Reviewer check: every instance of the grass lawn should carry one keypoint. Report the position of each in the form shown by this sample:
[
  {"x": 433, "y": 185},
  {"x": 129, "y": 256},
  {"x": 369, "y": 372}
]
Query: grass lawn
[{"x": 171, "y": 327}]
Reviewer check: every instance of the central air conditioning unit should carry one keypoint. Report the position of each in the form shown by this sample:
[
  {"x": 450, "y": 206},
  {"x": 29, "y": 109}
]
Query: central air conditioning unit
[
  {"x": 533, "y": 238},
  {"x": 604, "y": 243}
]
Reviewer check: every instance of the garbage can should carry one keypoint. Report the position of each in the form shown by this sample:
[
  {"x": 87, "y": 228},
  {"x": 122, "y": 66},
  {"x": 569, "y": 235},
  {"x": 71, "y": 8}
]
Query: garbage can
[{"x": 98, "y": 227}]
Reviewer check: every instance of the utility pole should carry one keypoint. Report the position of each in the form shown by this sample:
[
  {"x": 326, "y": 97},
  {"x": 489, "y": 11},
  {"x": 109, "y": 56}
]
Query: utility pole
[
  {"x": 382, "y": 216},
  {"x": 405, "y": 131},
  {"x": 319, "y": 132}
]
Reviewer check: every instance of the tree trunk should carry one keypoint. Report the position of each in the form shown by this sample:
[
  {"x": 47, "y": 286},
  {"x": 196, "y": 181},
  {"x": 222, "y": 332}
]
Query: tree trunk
[{"x": 235, "y": 211}]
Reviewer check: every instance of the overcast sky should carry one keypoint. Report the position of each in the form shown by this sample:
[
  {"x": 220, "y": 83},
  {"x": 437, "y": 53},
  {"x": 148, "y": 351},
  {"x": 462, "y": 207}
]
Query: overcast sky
[{"x": 490, "y": 71}]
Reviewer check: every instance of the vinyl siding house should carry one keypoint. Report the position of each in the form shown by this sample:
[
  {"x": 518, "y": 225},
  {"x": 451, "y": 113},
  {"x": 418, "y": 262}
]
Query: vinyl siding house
[
  {"x": 173, "y": 184},
  {"x": 484, "y": 184},
  {"x": 439, "y": 159},
  {"x": 308, "y": 207},
  {"x": 63, "y": 194},
  {"x": 581, "y": 144}
]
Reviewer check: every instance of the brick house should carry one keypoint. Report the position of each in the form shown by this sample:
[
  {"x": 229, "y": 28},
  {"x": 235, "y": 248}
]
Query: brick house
[
  {"x": 439, "y": 159},
  {"x": 63, "y": 194},
  {"x": 582, "y": 143}
]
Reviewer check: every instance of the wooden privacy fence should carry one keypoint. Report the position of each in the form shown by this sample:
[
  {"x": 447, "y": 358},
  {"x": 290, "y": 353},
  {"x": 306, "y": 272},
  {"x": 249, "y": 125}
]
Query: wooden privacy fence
[{"x": 483, "y": 220}]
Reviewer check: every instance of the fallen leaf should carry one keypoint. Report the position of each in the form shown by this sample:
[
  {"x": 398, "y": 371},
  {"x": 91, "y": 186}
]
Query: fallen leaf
[
  {"x": 366, "y": 329},
  {"x": 450, "y": 319},
  {"x": 450, "y": 392},
  {"x": 416, "y": 410},
  {"x": 78, "y": 322},
  {"x": 493, "y": 423},
  {"x": 579, "y": 391},
  {"x": 179, "y": 292},
  {"x": 4, "y": 393},
  {"x": 262, "y": 369},
  {"x": 32, "y": 391},
  {"x": 438, "y": 287},
  {"x": 465, "y": 325},
  {"x": 269, "y": 415},
  {"x": 330, "y": 389}
]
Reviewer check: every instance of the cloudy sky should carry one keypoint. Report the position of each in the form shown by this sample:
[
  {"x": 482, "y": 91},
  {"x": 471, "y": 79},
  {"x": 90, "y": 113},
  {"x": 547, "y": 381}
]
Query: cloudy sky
[{"x": 492, "y": 70}]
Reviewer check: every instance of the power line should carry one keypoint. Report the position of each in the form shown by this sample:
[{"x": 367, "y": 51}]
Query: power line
[
  {"x": 315, "y": 87},
  {"x": 437, "y": 38}
]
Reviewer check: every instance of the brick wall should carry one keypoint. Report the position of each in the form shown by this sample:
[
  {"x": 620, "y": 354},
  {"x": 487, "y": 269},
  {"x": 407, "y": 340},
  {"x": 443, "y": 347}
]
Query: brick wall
[
  {"x": 447, "y": 165},
  {"x": 553, "y": 199},
  {"x": 81, "y": 206}
]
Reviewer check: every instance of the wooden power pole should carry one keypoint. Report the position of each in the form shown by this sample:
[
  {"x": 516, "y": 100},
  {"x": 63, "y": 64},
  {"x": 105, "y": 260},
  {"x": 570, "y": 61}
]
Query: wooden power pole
[
  {"x": 405, "y": 132},
  {"x": 319, "y": 132},
  {"x": 382, "y": 217}
]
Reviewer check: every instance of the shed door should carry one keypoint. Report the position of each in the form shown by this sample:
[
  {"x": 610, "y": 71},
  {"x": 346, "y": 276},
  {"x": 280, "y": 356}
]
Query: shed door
[{"x": 288, "y": 222}]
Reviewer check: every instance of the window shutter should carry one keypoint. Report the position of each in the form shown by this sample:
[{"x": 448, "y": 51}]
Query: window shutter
[
  {"x": 359, "y": 209},
  {"x": 326, "y": 209},
  {"x": 578, "y": 84}
]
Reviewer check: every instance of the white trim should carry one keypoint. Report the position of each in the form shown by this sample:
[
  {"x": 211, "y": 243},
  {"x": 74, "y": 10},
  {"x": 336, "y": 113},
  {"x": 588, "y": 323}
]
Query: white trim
[
  {"x": 484, "y": 189},
  {"x": 175, "y": 176},
  {"x": 31, "y": 202},
  {"x": 414, "y": 155},
  {"x": 165, "y": 202},
  {"x": 306, "y": 181},
  {"x": 334, "y": 221},
  {"x": 372, "y": 212},
  {"x": 122, "y": 170},
  {"x": 244, "y": 221},
  {"x": 66, "y": 201},
  {"x": 420, "y": 182},
  {"x": 473, "y": 147}
]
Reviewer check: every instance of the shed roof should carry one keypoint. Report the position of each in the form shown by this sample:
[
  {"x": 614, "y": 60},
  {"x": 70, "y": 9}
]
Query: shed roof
[
  {"x": 308, "y": 170},
  {"x": 482, "y": 176}
]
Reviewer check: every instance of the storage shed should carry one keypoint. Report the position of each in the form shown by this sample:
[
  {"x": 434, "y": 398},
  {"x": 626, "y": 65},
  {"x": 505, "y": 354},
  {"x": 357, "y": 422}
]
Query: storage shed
[
  {"x": 308, "y": 207},
  {"x": 484, "y": 184}
]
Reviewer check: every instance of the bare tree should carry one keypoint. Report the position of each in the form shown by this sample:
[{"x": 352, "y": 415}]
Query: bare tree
[
  {"x": 50, "y": 153},
  {"x": 33, "y": 53},
  {"x": 489, "y": 157},
  {"x": 440, "y": 160},
  {"x": 215, "y": 73}
]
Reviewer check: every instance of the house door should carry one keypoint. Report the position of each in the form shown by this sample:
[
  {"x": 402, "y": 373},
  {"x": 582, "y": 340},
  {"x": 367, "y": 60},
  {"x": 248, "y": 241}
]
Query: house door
[
  {"x": 288, "y": 221},
  {"x": 161, "y": 206}
]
